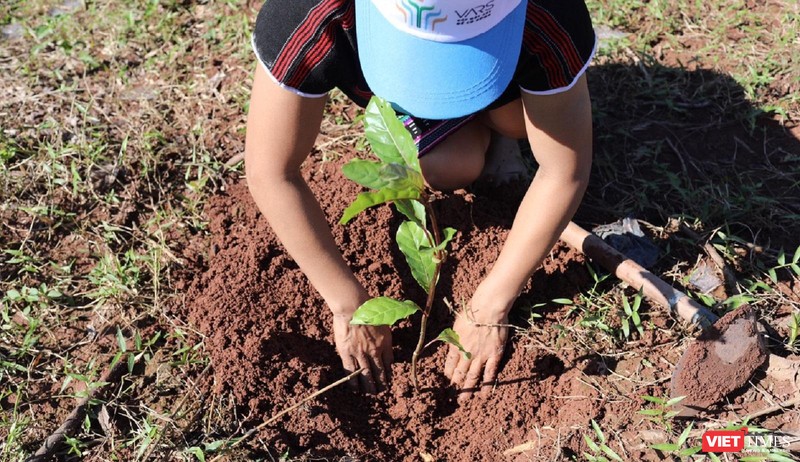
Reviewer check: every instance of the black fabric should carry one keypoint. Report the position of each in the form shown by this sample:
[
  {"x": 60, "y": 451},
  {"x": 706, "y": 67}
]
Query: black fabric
[{"x": 310, "y": 46}]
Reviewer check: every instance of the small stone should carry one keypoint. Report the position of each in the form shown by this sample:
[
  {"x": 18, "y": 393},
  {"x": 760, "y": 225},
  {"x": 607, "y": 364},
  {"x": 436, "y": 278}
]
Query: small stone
[
  {"x": 67, "y": 7},
  {"x": 12, "y": 31},
  {"x": 605, "y": 33},
  {"x": 704, "y": 278}
]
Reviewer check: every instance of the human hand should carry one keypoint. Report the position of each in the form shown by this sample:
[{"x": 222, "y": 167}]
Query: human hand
[
  {"x": 364, "y": 347},
  {"x": 483, "y": 335}
]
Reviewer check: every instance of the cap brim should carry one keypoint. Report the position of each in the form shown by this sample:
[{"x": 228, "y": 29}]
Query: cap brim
[{"x": 437, "y": 80}]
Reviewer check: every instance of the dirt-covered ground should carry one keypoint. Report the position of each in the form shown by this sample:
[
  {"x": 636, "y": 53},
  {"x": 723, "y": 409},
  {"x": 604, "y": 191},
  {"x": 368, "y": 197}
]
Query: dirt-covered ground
[{"x": 128, "y": 236}]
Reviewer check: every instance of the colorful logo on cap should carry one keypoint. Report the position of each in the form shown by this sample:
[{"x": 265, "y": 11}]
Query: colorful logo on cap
[{"x": 419, "y": 15}]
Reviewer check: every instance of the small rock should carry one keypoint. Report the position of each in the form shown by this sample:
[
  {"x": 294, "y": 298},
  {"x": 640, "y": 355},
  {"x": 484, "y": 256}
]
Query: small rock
[
  {"x": 605, "y": 33},
  {"x": 12, "y": 31},
  {"x": 704, "y": 278},
  {"x": 67, "y": 7}
]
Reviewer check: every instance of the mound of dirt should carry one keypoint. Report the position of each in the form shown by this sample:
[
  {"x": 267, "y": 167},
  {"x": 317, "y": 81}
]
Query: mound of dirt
[{"x": 270, "y": 340}]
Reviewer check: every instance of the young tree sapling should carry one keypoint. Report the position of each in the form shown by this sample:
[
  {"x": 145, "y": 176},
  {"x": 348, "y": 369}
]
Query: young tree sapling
[{"x": 396, "y": 177}]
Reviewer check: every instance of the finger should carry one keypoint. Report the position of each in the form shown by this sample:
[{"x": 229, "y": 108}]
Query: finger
[
  {"x": 349, "y": 364},
  {"x": 471, "y": 380},
  {"x": 365, "y": 378},
  {"x": 461, "y": 371},
  {"x": 490, "y": 375},
  {"x": 378, "y": 373},
  {"x": 388, "y": 359},
  {"x": 453, "y": 355}
]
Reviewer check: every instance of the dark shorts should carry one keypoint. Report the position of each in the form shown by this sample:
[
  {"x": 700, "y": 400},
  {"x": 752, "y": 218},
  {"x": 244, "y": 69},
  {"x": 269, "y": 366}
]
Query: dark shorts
[{"x": 309, "y": 47}]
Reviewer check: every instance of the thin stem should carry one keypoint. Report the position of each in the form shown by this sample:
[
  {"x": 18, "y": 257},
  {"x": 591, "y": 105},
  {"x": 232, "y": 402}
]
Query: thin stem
[
  {"x": 424, "y": 326},
  {"x": 431, "y": 293},
  {"x": 437, "y": 238}
]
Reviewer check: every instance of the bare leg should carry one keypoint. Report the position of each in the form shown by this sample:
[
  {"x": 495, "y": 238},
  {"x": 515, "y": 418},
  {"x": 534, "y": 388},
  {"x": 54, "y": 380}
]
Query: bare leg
[{"x": 459, "y": 160}]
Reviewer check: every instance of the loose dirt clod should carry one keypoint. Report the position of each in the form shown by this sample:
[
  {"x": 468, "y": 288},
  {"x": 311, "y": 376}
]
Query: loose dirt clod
[{"x": 720, "y": 361}]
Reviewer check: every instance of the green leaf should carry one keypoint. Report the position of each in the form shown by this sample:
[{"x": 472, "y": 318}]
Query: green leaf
[
  {"x": 653, "y": 399},
  {"x": 197, "y": 452},
  {"x": 116, "y": 359},
  {"x": 402, "y": 177},
  {"x": 415, "y": 245},
  {"x": 367, "y": 173},
  {"x": 413, "y": 210},
  {"x": 667, "y": 447},
  {"x": 637, "y": 301},
  {"x": 626, "y": 328},
  {"x": 599, "y": 432},
  {"x": 378, "y": 175},
  {"x": 383, "y": 311},
  {"x": 388, "y": 137},
  {"x": 450, "y": 336},
  {"x": 121, "y": 341},
  {"x": 13, "y": 294},
  {"x": 53, "y": 293},
  {"x": 735, "y": 301},
  {"x": 690, "y": 451},
  {"x": 610, "y": 453},
  {"x": 685, "y": 435},
  {"x": 214, "y": 445},
  {"x": 592, "y": 445},
  {"x": 366, "y": 200},
  {"x": 674, "y": 401},
  {"x": 562, "y": 301},
  {"x": 650, "y": 412},
  {"x": 773, "y": 275},
  {"x": 796, "y": 257},
  {"x": 448, "y": 234},
  {"x": 780, "y": 457},
  {"x": 626, "y": 306}
]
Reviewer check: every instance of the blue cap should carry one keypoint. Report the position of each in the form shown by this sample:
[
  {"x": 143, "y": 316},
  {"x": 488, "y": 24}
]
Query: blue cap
[{"x": 439, "y": 59}]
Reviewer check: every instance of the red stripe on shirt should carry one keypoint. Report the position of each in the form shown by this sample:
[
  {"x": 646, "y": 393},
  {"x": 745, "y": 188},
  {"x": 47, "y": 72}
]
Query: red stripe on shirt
[
  {"x": 563, "y": 42},
  {"x": 550, "y": 62},
  {"x": 322, "y": 47},
  {"x": 303, "y": 34}
]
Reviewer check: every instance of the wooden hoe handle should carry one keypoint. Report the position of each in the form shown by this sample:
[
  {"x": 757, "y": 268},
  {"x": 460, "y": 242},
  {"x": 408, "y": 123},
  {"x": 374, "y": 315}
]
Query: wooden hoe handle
[{"x": 653, "y": 287}]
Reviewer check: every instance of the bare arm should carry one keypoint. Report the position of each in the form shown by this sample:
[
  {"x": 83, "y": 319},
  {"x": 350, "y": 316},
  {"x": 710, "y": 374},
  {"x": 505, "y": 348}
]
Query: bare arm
[
  {"x": 281, "y": 129},
  {"x": 559, "y": 128}
]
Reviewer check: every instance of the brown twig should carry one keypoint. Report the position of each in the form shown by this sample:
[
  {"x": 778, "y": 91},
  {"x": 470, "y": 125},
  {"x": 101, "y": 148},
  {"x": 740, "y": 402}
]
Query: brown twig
[
  {"x": 277, "y": 416},
  {"x": 74, "y": 419},
  {"x": 235, "y": 159},
  {"x": 769, "y": 410}
]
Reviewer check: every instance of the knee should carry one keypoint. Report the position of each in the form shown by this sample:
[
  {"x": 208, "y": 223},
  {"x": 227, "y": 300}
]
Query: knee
[
  {"x": 507, "y": 120},
  {"x": 457, "y": 161},
  {"x": 444, "y": 178}
]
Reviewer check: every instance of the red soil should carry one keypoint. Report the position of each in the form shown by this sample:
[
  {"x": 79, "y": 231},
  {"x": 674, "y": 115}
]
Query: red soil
[{"x": 269, "y": 335}]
